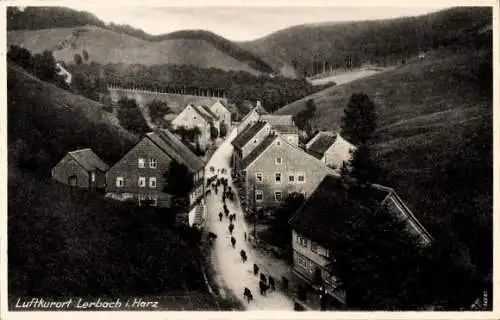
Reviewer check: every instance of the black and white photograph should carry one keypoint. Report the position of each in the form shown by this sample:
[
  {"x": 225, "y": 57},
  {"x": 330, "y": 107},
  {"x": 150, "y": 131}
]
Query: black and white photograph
[{"x": 249, "y": 158}]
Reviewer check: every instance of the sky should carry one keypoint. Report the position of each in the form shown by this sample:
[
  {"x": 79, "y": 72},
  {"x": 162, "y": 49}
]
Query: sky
[{"x": 239, "y": 23}]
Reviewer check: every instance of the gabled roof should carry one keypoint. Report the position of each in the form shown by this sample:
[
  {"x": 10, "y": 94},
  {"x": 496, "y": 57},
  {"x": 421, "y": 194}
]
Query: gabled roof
[
  {"x": 209, "y": 112},
  {"x": 258, "y": 151},
  {"x": 177, "y": 150},
  {"x": 285, "y": 120},
  {"x": 321, "y": 143},
  {"x": 247, "y": 134},
  {"x": 88, "y": 160},
  {"x": 222, "y": 103},
  {"x": 317, "y": 220},
  {"x": 203, "y": 113},
  {"x": 263, "y": 146}
]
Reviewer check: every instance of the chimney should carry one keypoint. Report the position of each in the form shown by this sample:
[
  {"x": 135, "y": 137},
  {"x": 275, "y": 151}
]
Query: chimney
[{"x": 258, "y": 104}]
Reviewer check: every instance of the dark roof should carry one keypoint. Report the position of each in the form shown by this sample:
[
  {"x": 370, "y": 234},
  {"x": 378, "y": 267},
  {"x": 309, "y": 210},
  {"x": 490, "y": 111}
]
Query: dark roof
[
  {"x": 247, "y": 134},
  {"x": 321, "y": 144},
  {"x": 317, "y": 220},
  {"x": 88, "y": 160},
  {"x": 257, "y": 151},
  {"x": 286, "y": 128},
  {"x": 207, "y": 109},
  {"x": 202, "y": 113},
  {"x": 174, "y": 147},
  {"x": 285, "y": 120}
]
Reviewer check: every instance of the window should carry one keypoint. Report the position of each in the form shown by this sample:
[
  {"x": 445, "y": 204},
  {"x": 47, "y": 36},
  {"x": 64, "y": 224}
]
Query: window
[
  {"x": 277, "y": 177},
  {"x": 259, "y": 195},
  {"x": 277, "y": 195},
  {"x": 255, "y": 141},
  {"x": 258, "y": 177},
  {"x": 140, "y": 163},
  {"x": 302, "y": 261},
  {"x": 153, "y": 163},
  {"x": 301, "y": 178},
  {"x": 302, "y": 241},
  {"x": 141, "y": 182},
  {"x": 278, "y": 143},
  {"x": 152, "y": 182},
  {"x": 120, "y": 182},
  {"x": 291, "y": 178},
  {"x": 279, "y": 160},
  {"x": 92, "y": 176},
  {"x": 314, "y": 247}
]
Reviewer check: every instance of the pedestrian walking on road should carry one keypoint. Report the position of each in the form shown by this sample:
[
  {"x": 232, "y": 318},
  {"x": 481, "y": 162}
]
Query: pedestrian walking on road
[
  {"x": 220, "y": 216},
  {"x": 231, "y": 228},
  {"x": 271, "y": 283},
  {"x": 231, "y": 218},
  {"x": 247, "y": 294},
  {"x": 243, "y": 255},
  {"x": 234, "y": 216},
  {"x": 263, "y": 287},
  {"x": 245, "y": 235},
  {"x": 263, "y": 278},
  {"x": 255, "y": 269},
  {"x": 233, "y": 241}
]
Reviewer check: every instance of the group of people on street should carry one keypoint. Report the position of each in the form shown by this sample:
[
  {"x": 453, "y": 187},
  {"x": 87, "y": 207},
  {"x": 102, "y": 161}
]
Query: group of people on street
[{"x": 265, "y": 282}]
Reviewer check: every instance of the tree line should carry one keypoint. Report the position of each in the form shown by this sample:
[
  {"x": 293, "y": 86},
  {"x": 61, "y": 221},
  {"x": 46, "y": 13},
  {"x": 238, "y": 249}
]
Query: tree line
[{"x": 237, "y": 86}]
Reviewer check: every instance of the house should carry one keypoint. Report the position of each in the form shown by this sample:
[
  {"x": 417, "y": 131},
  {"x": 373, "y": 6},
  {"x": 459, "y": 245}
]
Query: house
[
  {"x": 139, "y": 174},
  {"x": 330, "y": 148},
  {"x": 81, "y": 168},
  {"x": 61, "y": 71},
  {"x": 200, "y": 117},
  {"x": 284, "y": 125},
  {"x": 315, "y": 223},
  {"x": 251, "y": 117},
  {"x": 275, "y": 169},
  {"x": 246, "y": 141},
  {"x": 223, "y": 114}
]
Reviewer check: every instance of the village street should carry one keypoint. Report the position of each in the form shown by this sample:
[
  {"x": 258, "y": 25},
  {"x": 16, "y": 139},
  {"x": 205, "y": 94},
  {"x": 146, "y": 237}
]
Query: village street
[{"x": 231, "y": 272}]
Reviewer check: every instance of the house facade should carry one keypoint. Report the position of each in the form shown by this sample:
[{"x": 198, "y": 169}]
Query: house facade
[
  {"x": 246, "y": 141},
  {"x": 276, "y": 169},
  {"x": 314, "y": 227},
  {"x": 140, "y": 174},
  {"x": 223, "y": 114},
  {"x": 331, "y": 148},
  {"x": 200, "y": 117},
  {"x": 82, "y": 169}
]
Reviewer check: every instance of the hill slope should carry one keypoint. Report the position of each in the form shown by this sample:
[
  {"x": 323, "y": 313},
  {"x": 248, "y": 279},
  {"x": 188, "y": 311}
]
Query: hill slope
[
  {"x": 106, "y": 46},
  {"x": 67, "y": 242},
  {"x": 428, "y": 111},
  {"x": 39, "y": 111},
  {"x": 300, "y": 46}
]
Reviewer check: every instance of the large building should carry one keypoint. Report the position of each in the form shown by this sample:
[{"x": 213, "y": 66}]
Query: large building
[
  {"x": 314, "y": 227},
  {"x": 82, "y": 169},
  {"x": 140, "y": 174},
  {"x": 274, "y": 169}
]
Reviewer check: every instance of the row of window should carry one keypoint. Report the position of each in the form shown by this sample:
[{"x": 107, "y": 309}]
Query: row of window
[
  {"x": 141, "y": 163},
  {"x": 305, "y": 262},
  {"x": 314, "y": 246},
  {"x": 278, "y": 195},
  {"x": 292, "y": 178},
  {"x": 141, "y": 182}
]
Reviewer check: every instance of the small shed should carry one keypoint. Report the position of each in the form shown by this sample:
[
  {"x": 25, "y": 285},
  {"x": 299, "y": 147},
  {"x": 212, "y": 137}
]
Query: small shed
[{"x": 81, "y": 168}]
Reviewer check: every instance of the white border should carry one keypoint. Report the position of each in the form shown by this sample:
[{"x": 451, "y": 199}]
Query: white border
[{"x": 242, "y": 315}]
